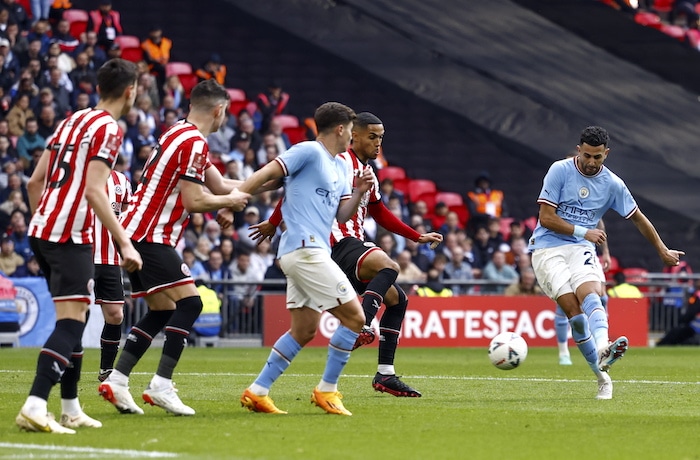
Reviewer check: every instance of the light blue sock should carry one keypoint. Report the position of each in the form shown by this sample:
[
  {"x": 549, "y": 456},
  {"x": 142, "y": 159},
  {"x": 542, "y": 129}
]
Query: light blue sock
[
  {"x": 582, "y": 335},
  {"x": 561, "y": 325},
  {"x": 597, "y": 319},
  {"x": 281, "y": 356},
  {"x": 604, "y": 300},
  {"x": 339, "y": 349}
]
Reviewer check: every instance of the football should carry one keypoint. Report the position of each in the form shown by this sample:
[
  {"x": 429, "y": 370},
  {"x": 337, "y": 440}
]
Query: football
[{"x": 507, "y": 350}]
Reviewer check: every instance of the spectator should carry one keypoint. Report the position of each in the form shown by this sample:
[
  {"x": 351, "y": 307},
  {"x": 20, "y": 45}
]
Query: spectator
[
  {"x": 58, "y": 84},
  {"x": 272, "y": 102},
  {"x": 250, "y": 163},
  {"x": 197, "y": 270},
  {"x": 47, "y": 122},
  {"x": 173, "y": 88},
  {"x": 387, "y": 243},
  {"x": 518, "y": 230},
  {"x": 41, "y": 10},
  {"x": 220, "y": 140},
  {"x": 194, "y": 229},
  {"x": 275, "y": 273},
  {"x": 482, "y": 247},
  {"x": 418, "y": 258},
  {"x": 18, "y": 42},
  {"x": 213, "y": 68},
  {"x": 227, "y": 250},
  {"x": 33, "y": 51},
  {"x": 156, "y": 52},
  {"x": 140, "y": 159},
  {"x": 45, "y": 99},
  {"x": 82, "y": 69},
  {"x": 18, "y": 115},
  {"x": 518, "y": 251},
  {"x": 409, "y": 272},
  {"x": 495, "y": 235},
  {"x": 146, "y": 113},
  {"x": 29, "y": 139},
  {"x": 10, "y": 261},
  {"x": 245, "y": 125},
  {"x": 241, "y": 144},
  {"x": 61, "y": 36},
  {"x": 7, "y": 151},
  {"x": 388, "y": 191},
  {"x": 251, "y": 216},
  {"x": 439, "y": 216},
  {"x": 458, "y": 269},
  {"x": 283, "y": 142},
  {"x": 243, "y": 301},
  {"x": 526, "y": 285},
  {"x": 148, "y": 85},
  {"x": 29, "y": 270},
  {"x": 41, "y": 31},
  {"x": 623, "y": 289},
  {"x": 420, "y": 209},
  {"x": 212, "y": 230},
  {"x": 106, "y": 23},
  {"x": 452, "y": 223},
  {"x": 144, "y": 137},
  {"x": 96, "y": 54},
  {"x": 19, "y": 235},
  {"x": 261, "y": 258},
  {"x": 15, "y": 201},
  {"x": 433, "y": 287},
  {"x": 18, "y": 15},
  {"x": 498, "y": 270},
  {"x": 232, "y": 170},
  {"x": 217, "y": 272},
  {"x": 485, "y": 202},
  {"x": 170, "y": 117}
]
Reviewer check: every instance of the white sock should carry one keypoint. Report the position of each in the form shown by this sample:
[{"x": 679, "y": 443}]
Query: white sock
[
  {"x": 160, "y": 382},
  {"x": 563, "y": 348},
  {"x": 325, "y": 387},
  {"x": 118, "y": 378},
  {"x": 34, "y": 405},
  {"x": 386, "y": 369},
  {"x": 71, "y": 406},
  {"x": 259, "y": 390}
]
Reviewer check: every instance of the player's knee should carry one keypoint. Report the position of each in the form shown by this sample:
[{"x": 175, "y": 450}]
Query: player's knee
[
  {"x": 392, "y": 265},
  {"x": 304, "y": 335},
  {"x": 114, "y": 315}
]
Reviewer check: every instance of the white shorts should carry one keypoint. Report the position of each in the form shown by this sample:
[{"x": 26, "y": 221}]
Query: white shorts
[
  {"x": 314, "y": 280},
  {"x": 562, "y": 269}
]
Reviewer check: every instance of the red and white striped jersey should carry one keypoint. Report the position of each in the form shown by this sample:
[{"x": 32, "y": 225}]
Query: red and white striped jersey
[
  {"x": 156, "y": 213},
  {"x": 354, "y": 227},
  {"x": 63, "y": 213},
  {"x": 118, "y": 193}
]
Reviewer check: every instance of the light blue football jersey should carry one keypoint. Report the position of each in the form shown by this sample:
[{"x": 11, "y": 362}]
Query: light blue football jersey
[
  {"x": 580, "y": 200},
  {"x": 314, "y": 183}
]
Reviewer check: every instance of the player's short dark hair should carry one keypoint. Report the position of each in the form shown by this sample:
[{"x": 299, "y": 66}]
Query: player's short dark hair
[
  {"x": 115, "y": 76},
  {"x": 207, "y": 94},
  {"x": 332, "y": 114},
  {"x": 595, "y": 136},
  {"x": 365, "y": 119}
]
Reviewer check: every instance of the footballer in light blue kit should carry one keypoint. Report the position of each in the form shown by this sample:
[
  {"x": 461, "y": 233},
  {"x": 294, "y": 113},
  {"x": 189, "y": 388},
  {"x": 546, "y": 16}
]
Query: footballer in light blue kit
[
  {"x": 317, "y": 191},
  {"x": 576, "y": 192}
]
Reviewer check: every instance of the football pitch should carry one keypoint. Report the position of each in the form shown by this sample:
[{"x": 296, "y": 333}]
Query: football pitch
[{"x": 469, "y": 409}]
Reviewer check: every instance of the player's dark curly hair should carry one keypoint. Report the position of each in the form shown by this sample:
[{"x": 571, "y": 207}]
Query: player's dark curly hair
[{"x": 595, "y": 136}]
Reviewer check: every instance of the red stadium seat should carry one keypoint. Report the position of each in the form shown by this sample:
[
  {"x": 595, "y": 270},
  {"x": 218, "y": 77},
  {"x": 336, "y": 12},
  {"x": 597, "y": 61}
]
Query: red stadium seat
[
  {"x": 236, "y": 106},
  {"x": 531, "y": 223},
  {"x": 663, "y": 6},
  {"x": 188, "y": 81},
  {"x": 462, "y": 212},
  {"x": 402, "y": 185},
  {"x": 676, "y": 32},
  {"x": 132, "y": 54},
  {"x": 287, "y": 121},
  {"x": 429, "y": 199},
  {"x": 295, "y": 134},
  {"x": 128, "y": 41},
  {"x": 78, "y": 20},
  {"x": 648, "y": 19},
  {"x": 391, "y": 172},
  {"x": 505, "y": 227},
  {"x": 450, "y": 198},
  {"x": 178, "y": 68},
  {"x": 419, "y": 186},
  {"x": 236, "y": 94},
  {"x": 693, "y": 37}
]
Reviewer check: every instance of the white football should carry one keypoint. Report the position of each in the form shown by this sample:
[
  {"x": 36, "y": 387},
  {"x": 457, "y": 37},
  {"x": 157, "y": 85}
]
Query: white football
[{"x": 507, "y": 350}]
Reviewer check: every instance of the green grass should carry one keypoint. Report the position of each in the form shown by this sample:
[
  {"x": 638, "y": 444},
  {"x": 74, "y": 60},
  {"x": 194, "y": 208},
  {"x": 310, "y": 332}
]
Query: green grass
[{"x": 469, "y": 409}]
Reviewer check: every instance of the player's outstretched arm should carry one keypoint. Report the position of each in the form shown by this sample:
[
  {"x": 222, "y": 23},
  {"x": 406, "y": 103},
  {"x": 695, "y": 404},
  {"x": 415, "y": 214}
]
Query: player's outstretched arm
[
  {"x": 669, "y": 257},
  {"x": 195, "y": 199},
  {"x": 219, "y": 185}
]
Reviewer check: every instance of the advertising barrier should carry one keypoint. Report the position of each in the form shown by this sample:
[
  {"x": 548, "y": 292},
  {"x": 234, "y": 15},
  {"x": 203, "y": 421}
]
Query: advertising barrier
[
  {"x": 472, "y": 321},
  {"x": 36, "y": 311}
]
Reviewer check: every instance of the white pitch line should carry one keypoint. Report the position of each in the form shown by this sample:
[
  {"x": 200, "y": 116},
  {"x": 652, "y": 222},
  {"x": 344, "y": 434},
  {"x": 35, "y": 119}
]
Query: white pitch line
[
  {"x": 90, "y": 451},
  {"x": 420, "y": 377}
]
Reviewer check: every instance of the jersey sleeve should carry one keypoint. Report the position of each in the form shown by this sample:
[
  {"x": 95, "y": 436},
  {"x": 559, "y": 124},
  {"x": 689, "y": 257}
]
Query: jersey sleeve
[
  {"x": 552, "y": 185},
  {"x": 195, "y": 158},
  {"x": 293, "y": 160},
  {"x": 106, "y": 143},
  {"x": 623, "y": 202}
]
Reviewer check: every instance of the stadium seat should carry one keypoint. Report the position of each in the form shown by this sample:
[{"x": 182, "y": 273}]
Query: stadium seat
[
  {"x": 295, "y": 134},
  {"x": 663, "y": 6},
  {"x": 676, "y": 32},
  {"x": 391, "y": 172},
  {"x": 418, "y": 187},
  {"x": 449, "y": 198},
  {"x": 505, "y": 227},
  {"x": 132, "y": 54},
  {"x": 530, "y": 223},
  {"x": 236, "y": 94},
  {"x": 127, "y": 41},
  {"x": 178, "y": 68},
  {"x": 636, "y": 275},
  {"x": 693, "y": 36},
  {"x": 78, "y": 20},
  {"x": 648, "y": 19},
  {"x": 188, "y": 81},
  {"x": 462, "y": 212},
  {"x": 236, "y": 106},
  {"x": 287, "y": 121},
  {"x": 429, "y": 199},
  {"x": 402, "y": 185}
]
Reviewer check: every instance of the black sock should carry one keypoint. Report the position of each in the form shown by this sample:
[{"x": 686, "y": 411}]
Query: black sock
[
  {"x": 390, "y": 327},
  {"x": 176, "y": 332},
  {"x": 375, "y": 292},
  {"x": 55, "y": 356},
  {"x": 109, "y": 344},
  {"x": 140, "y": 338},
  {"x": 69, "y": 381}
]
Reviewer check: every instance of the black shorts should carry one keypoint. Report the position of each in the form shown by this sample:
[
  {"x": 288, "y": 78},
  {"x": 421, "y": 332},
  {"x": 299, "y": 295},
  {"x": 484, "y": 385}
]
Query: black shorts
[
  {"x": 162, "y": 269},
  {"x": 69, "y": 269},
  {"x": 348, "y": 253},
  {"x": 109, "y": 287}
]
